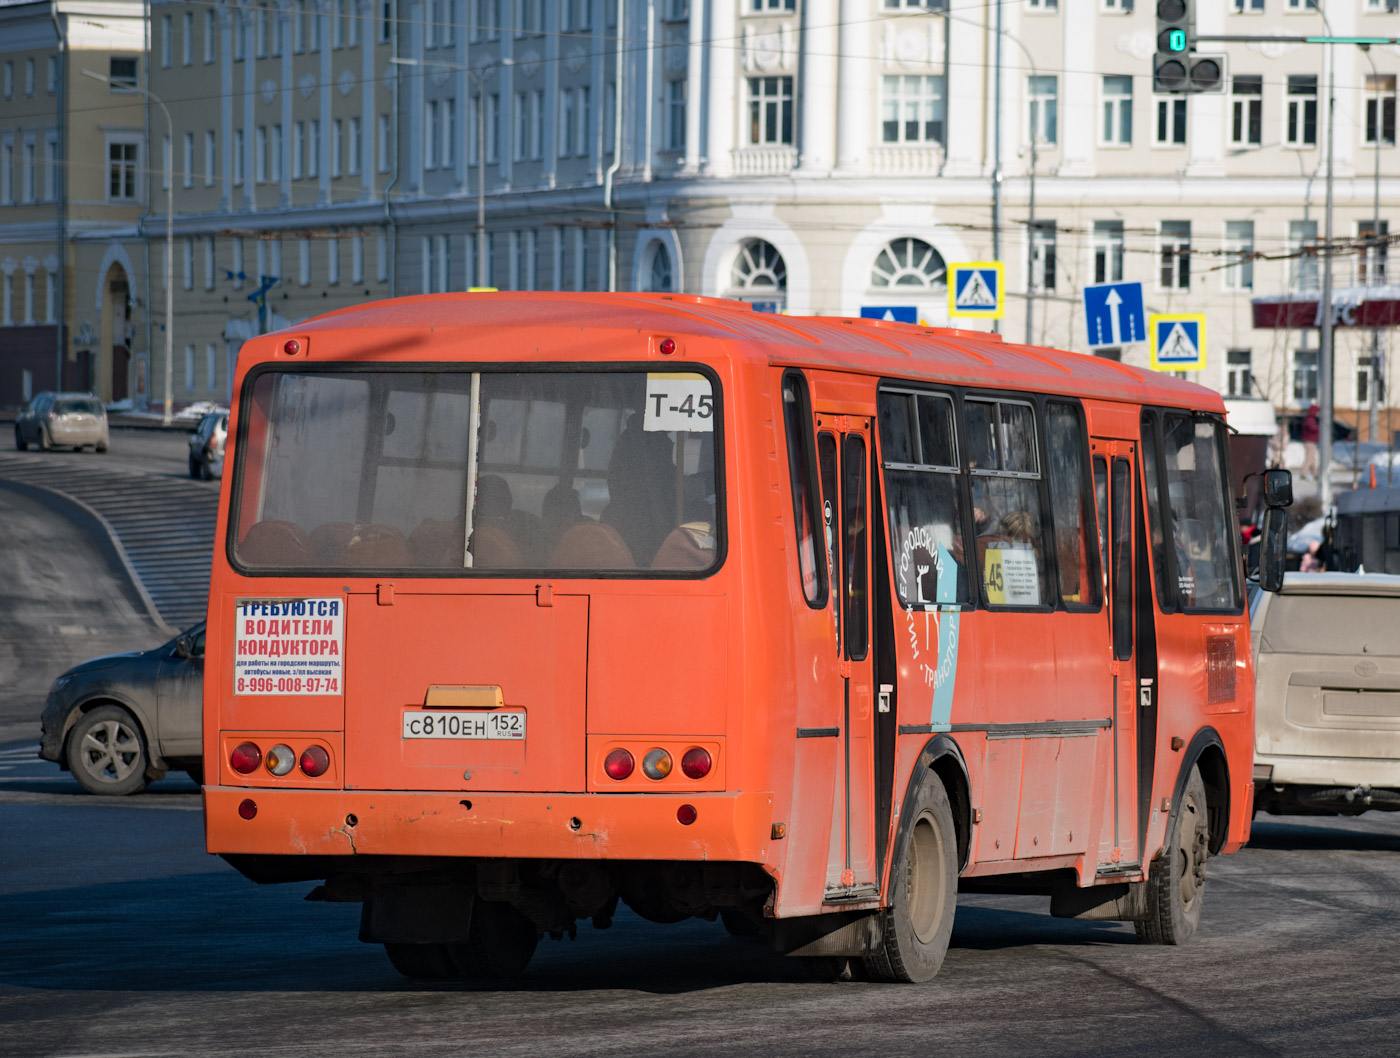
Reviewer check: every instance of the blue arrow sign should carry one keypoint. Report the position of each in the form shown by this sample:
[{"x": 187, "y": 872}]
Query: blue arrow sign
[
  {"x": 1114, "y": 314},
  {"x": 899, "y": 313}
]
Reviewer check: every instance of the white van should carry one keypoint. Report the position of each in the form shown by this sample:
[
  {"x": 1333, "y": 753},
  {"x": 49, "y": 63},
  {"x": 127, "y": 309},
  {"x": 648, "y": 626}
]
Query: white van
[{"x": 1327, "y": 700}]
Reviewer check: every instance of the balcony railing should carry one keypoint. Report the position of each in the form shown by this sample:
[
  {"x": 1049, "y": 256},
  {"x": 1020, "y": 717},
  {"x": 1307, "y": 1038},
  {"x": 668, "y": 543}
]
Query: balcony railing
[
  {"x": 906, "y": 160},
  {"x": 764, "y": 161}
]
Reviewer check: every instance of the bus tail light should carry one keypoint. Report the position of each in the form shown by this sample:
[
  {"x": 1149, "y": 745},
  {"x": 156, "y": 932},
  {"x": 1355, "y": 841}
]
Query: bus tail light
[
  {"x": 281, "y": 759},
  {"x": 247, "y": 808},
  {"x": 656, "y": 764},
  {"x": 315, "y": 760},
  {"x": 245, "y": 758},
  {"x": 696, "y": 763},
  {"x": 686, "y": 814},
  {"x": 619, "y": 764}
]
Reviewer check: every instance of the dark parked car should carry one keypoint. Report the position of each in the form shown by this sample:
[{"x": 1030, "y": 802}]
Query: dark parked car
[
  {"x": 120, "y": 721},
  {"x": 207, "y": 446},
  {"x": 75, "y": 419}
]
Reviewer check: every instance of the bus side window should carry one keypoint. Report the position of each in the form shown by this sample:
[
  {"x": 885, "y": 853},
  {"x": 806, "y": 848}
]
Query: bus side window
[
  {"x": 1122, "y": 559},
  {"x": 1156, "y": 516},
  {"x": 1202, "y": 522},
  {"x": 1101, "y": 503},
  {"x": 923, "y": 496},
  {"x": 826, "y": 461},
  {"x": 1071, "y": 505},
  {"x": 802, "y": 472},
  {"x": 1005, "y": 475},
  {"x": 855, "y": 596}
]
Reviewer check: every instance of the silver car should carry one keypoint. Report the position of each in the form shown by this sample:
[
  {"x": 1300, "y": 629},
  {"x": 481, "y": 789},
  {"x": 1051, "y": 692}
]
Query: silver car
[
  {"x": 1327, "y": 694},
  {"x": 207, "y": 445},
  {"x": 74, "y": 419}
]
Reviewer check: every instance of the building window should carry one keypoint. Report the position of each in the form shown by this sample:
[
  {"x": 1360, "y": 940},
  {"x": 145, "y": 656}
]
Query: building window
[
  {"x": 357, "y": 259},
  {"x": 1247, "y": 110},
  {"x": 274, "y": 155},
  {"x": 51, "y": 167},
  {"x": 313, "y": 148},
  {"x": 337, "y": 147},
  {"x": 522, "y": 125},
  {"x": 187, "y": 263},
  {"x": 52, "y": 83},
  {"x": 260, "y": 154},
  {"x": 566, "y": 122},
  {"x": 381, "y": 257},
  {"x": 1304, "y": 376},
  {"x": 791, "y": 5},
  {"x": 209, "y": 268},
  {"x": 386, "y": 142},
  {"x": 770, "y": 109},
  {"x": 236, "y": 245},
  {"x": 1248, "y": 6},
  {"x": 1373, "y": 258},
  {"x": 1108, "y": 251},
  {"x": 298, "y": 149},
  {"x": 210, "y": 157},
  {"x": 536, "y": 125},
  {"x": 339, "y": 16},
  {"x": 356, "y": 144},
  {"x": 1043, "y": 5},
  {"x": 121, "y": 171},
  {"x": 1042, "y": 95},
  {"x": 660, "y": 276},
  {"x": 29, "y": 166},
  {"x": 1043, "y": 256},
  {"x": 333, "y": 261},
  {"x": 237, "y": 157},
  {"x": 493, "y": 130},
  {"x": 759, "y": 275},
  {"x": 1117, "y": 111},
  {"x": 675, "y": 113},
  {"x": 211, "y": 367},
  {"x": 260, "y": 31},
  {"x": 1301, "y": 127},
  {"x": 1174, "y": 271},
  {"x": 585, "y": 119},
  {"x": 167, "y": 43},
  {"x": 121, "y": 72},
  {"x": 51, "y": 296},
  {"x": 189, "y": 368},
  {"x": 1171, "y": 121},
  {"x": 211, "y": 25},
  {"x": 1238, "y": 379},
  {"x": 304, "y": 262},
  {"x": 386, "y": 22},
  {"x": 1239, "y": 255},
  {"x": 9, "y": 79},
  {"x": 1365, "y": 377},
  {"x": 1302, "y": 251},
  {"x": 908, "y": 263},
  {"x": 1380, "y": 109},
  {"x": 912, "y": 109}
]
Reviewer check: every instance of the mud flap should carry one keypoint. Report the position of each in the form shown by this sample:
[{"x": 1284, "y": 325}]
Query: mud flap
[
  {"x": 418, "y": 914},
  {"x": 840, "y": 933},
  {"x": 1119, "y": 902}
]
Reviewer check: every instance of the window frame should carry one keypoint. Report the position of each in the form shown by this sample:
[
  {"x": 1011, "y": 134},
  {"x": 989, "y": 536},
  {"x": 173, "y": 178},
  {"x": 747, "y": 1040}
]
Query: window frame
[{"x": 806, "y": 422}]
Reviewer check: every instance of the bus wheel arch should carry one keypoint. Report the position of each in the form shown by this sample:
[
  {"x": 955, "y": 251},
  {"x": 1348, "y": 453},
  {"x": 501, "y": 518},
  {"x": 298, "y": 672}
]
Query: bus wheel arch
[
  {"x": 943, "y": 756},
  {"x": 1215, "y": 774}
]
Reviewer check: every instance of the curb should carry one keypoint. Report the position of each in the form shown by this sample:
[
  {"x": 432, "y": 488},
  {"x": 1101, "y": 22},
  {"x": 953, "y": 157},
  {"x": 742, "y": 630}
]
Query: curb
[{"x": 102, "y": 532}]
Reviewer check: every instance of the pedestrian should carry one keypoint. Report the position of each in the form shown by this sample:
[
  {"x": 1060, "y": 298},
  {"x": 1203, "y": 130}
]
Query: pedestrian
[{"x": 1309, "y": 439}]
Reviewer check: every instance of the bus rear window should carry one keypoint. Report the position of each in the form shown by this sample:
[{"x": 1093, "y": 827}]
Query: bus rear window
[{"x": 448, "y": 472}]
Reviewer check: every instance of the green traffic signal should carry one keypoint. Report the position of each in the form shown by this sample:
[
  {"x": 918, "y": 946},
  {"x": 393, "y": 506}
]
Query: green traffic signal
[{"x": 1176, "y": 40}]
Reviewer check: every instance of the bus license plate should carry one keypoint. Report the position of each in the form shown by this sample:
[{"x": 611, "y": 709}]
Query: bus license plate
[{"x": 423, "y": 723}]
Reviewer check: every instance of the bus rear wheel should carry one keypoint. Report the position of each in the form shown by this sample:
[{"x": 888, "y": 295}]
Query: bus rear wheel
[
  {"x": 501, "y": 943},
  {"x": 923, "y": 892},
  {"x": 1176, "y": 881}
]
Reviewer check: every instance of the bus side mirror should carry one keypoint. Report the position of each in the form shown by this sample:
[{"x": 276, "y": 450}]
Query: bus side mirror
[
  {"x": 1273, "y": 547},
  {"x": 1278, "y": 488}
]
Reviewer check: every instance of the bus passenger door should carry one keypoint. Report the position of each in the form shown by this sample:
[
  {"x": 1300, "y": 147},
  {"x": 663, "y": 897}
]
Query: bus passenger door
[
  {"x": 843, "y": 454},
  {"x": 1114, "y": 489}
]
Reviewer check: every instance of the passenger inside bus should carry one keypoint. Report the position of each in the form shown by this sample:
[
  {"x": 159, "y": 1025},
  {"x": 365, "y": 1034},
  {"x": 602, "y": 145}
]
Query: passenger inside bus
[{"x": 641, "y": 490}]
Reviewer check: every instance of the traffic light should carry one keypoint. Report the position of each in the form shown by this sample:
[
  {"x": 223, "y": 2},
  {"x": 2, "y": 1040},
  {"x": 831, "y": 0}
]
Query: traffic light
[{"x": 1176, "y": 68}]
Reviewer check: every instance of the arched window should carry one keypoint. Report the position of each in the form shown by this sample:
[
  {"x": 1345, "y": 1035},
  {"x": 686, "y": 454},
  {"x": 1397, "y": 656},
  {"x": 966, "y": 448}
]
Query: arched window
[
  {"x": 909, "y": 263},
  {"x": 660, "y": 278},
  {"x": 758, "y": 269}
]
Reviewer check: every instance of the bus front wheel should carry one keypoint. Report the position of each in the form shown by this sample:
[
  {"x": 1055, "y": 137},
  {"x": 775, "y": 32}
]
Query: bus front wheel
[
  {"x": 1176, "y": 882},
  {"x": 923, "y": 892}
]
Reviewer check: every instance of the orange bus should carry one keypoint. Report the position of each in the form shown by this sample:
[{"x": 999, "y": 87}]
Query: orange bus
[{"x": 528, "y": 604}]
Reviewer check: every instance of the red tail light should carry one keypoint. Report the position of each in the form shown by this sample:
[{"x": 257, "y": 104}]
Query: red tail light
[
  {"x": 315, "y": 760},
  {"x": 245, "y": 758},
  {"x": 686, "y": 814},
  {"x": 247, "y": 808},
  {"x": 696, "y": 763},
  {"x": 619, "y": 764}
]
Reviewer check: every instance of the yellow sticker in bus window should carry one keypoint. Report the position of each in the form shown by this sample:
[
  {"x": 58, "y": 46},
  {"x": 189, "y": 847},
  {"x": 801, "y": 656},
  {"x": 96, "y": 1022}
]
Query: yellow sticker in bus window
[
  {"x": 1011, "y": 576},
  {"x": 679, "y": 401}
]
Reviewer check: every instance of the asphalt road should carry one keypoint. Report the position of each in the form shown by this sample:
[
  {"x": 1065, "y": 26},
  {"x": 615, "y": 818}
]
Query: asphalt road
[{"x": 121, "y": 937}]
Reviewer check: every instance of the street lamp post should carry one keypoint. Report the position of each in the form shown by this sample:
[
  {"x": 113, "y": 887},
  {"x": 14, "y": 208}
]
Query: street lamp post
[
  {"x": 1377, "y": 376},
  {"x": 166, "y": 165},
  {"x": 478, "y": 76}
]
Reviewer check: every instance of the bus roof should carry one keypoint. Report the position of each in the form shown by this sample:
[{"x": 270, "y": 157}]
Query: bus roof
[{"x": 891, "y": 349}]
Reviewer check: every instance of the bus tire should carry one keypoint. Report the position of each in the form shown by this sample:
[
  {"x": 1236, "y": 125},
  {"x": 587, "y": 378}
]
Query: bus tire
[
  {"x": 421, "y": 962},
  {"x": 1176, "y": 881},
  {"x": 918, "y": 923},
  {"x": 501, "y": 943}
]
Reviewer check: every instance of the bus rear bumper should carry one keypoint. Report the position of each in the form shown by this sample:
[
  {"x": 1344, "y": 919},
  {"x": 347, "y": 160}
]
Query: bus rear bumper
[{"x": 536, "y": 826}]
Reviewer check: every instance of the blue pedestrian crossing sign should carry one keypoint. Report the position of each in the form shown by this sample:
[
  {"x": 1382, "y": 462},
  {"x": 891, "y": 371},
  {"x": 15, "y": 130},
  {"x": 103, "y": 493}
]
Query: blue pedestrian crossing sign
[
  {"x": 898, "y": 313},
  {"x": 977, "y": 289},
  {"x": 1178, "y": 341},
  {"x": 1114, "y": 314}
]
